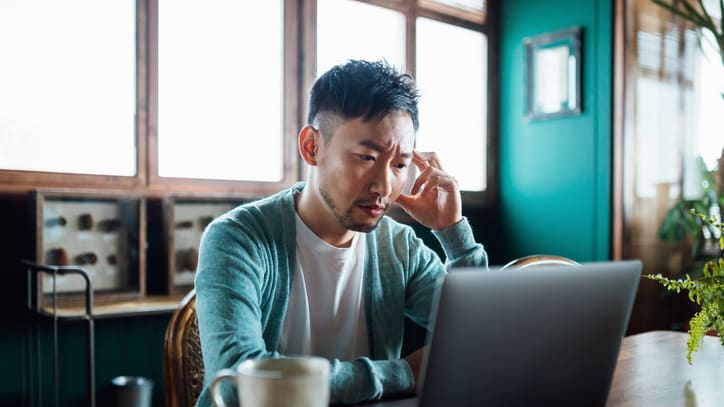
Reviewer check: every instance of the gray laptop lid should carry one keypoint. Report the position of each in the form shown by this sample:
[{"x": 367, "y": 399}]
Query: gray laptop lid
[{"x": 532, "y": 337}]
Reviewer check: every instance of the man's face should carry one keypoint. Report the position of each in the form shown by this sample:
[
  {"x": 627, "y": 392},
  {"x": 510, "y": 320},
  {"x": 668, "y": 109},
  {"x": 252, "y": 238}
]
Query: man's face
[{"x": 363, "y": 168}]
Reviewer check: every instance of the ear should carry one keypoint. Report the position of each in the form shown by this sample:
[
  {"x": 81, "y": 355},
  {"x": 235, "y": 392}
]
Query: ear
[{"x": 308, "y": 142}]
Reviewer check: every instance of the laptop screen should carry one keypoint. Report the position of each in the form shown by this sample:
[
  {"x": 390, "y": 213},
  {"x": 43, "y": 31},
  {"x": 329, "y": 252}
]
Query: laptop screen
[{"x": 536, "y": 336}]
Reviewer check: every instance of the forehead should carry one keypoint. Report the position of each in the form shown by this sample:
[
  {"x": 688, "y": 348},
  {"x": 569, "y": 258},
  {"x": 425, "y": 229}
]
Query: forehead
[{"x": 392, "y": 131}]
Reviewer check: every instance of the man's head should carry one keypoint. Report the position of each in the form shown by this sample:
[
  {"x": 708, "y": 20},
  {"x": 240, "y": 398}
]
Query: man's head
[{"x": 363, "y": 118}]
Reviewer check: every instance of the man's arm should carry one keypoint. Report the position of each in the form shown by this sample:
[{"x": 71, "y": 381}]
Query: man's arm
[
  {"x": 461, "y": 250},
  {"x": 435, "y": 202},
  {"x": 228, "y": 287},
  {"x": 414, "y": 360}
]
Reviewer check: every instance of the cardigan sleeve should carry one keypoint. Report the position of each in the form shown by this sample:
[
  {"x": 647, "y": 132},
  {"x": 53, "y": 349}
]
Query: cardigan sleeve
[
  {"x": 460, "y": 247},
  {"x": 229, "y": 302},
  {"x": 423, "y": 271}
]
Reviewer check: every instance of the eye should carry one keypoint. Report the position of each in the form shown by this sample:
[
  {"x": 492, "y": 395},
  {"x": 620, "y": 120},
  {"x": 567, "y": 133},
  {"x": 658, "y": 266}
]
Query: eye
[
  {"x": 366, "y": 157},
  {"x": 401, "y": 166}
]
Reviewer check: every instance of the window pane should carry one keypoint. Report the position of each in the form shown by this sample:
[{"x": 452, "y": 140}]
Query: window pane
[
  {"x": 710, "y": 119},
  {"x": 452, "y": 76},
  {"x": 657, "y": 124},
  {"x": 472, "y": 5},
  {"x": 68, "y": 86},
  {"x": 343, "y": 32},
  {"x": 220, "y": 85}
]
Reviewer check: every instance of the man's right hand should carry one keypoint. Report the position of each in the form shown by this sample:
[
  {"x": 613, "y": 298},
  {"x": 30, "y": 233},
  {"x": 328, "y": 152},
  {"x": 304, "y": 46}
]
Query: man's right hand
[
  {"x": 434, "y": 200},
  {"x": 414, "y": 359}
]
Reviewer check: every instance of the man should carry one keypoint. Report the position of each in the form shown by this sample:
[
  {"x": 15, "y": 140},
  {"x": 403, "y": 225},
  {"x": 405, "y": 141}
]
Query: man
[{"x": 318, "y": 268}]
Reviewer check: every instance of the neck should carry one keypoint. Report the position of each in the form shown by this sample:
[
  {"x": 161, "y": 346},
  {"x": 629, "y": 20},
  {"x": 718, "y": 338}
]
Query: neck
[{"x": 319, "y": 218}]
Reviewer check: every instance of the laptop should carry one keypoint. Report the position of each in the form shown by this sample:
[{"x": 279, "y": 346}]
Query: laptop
[{"x": 530, "y": 337}]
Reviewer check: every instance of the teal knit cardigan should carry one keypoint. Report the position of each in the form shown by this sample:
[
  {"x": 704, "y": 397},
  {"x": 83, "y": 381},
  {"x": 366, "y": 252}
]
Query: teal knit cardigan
[{"x": 244, "y": 280}]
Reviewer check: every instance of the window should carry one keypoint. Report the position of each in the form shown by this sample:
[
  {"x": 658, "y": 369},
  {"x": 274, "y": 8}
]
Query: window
[
  {"x": 213, "y": 121},
  {"x": 173, "y": 95},
  {"x": 453, "y": 83},
  {"x": 68, "y": 99},
  {"x": 223, "y": 108},
  {"x": 444, "y": 45},
  {"x": 340, "y": 37},
  {"x": 669, "y": 133}
]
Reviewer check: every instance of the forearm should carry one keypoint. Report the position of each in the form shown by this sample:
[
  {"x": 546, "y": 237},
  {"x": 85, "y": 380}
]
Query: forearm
[
  {"x": 350, "y": 381},
  {"x": 364, "y": 379},
  {"x": 460, "y": 247}
]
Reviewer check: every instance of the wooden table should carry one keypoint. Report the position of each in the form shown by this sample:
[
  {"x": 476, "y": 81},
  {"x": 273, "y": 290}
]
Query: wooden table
[{"x": 652, "y": 370}]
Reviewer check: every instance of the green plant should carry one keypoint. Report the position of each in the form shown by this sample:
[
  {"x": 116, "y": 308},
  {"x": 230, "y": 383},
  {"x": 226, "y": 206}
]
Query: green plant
[
  {"x": 678, "y": 224},
  {"x": 707, "y": 291}
]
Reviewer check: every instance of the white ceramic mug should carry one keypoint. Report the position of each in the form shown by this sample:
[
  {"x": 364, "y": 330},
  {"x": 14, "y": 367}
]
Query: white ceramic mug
[{"x": 294, "y": 381}]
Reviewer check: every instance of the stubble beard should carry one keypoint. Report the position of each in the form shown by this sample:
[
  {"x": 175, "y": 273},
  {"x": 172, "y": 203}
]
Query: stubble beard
[{"x": 345, "y": 218}]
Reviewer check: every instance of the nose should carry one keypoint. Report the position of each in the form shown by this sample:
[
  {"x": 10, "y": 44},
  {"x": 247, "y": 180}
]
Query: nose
[{"x": 381, "y": 184}]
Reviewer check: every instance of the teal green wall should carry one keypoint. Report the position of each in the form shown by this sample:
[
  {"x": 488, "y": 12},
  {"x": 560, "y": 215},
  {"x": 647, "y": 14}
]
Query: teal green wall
[
  {"x": 124, "y": 345},
  {"x": 555, "y": 175}
]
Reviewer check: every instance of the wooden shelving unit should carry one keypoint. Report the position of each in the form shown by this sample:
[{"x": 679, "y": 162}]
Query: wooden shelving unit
[{"x": 151, "y": 304}]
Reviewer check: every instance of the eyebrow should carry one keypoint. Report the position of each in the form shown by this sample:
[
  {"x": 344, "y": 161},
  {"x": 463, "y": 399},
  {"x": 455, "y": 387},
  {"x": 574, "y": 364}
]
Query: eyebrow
[{"x": 379, "y": 148}]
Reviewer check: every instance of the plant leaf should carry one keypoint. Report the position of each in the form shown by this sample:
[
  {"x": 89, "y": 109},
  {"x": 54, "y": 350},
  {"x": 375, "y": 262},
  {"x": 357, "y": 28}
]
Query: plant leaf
[
  {"x": 707, "y": 17},
  {"x": 694, "y": 17}
]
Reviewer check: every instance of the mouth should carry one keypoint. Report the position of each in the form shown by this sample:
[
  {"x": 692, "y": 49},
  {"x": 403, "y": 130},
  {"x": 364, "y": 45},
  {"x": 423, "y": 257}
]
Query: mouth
[{"x": 374, "y": 209}]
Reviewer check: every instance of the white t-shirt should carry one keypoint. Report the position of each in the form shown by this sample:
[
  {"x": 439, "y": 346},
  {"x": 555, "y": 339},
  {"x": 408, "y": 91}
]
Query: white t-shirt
[{"x": 325, "y": 316}]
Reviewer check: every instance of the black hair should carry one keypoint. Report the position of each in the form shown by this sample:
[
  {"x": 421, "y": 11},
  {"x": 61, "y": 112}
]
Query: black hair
[{"x": 363, "y": 89}]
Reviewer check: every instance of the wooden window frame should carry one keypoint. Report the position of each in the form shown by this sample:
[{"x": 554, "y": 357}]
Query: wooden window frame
[
  {"x": 18, "y": 181},
  {"x": 146, "y": 178},
  {"x": 160, "y": 185},
  {"x": 485, "y": 23},
  {"x": 299, "y": 73}
]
